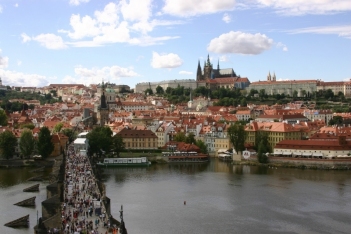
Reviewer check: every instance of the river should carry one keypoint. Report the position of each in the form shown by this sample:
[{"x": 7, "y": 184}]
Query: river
[{"x": 220, "y": 198}]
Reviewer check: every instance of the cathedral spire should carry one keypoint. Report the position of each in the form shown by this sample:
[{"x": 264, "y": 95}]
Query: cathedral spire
[
  {"x": 198, "y": 73},
  {"x": 218, "y": 65}
]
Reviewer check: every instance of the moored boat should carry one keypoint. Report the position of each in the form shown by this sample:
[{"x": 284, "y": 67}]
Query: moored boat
[
  {"x": 188, "y": 157},
  {"x": 122, "y": 162}
]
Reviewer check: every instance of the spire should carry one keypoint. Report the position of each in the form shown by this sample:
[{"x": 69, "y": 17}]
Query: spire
[
  {"x": 218, "y": 65},
  {"x": 269, "y": 78},
  {"x": 208, "y": 60},
  {"x": 198, "y": 73}
]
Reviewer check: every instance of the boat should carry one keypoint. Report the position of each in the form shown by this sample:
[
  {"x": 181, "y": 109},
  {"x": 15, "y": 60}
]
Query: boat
[
  {"x": 225, "y": 156},
  {"x": 188, "y": 157},
  {"x": 122, "y": 162}
]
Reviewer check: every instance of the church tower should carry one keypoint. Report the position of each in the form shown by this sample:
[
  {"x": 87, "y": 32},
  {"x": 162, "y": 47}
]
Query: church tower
[
  {"x": 269, "y": 78},
  {"x": 208, "y": 69},
  {"x": 274, "y": 77},
  {"x": 199, "y": 72},
  {"x": 103, "y": 108}
]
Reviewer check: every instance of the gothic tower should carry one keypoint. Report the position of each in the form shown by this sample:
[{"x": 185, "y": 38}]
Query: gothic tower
[
  {"x": 269, "y": 78},
  {"x": 103, "y": 108},
  {"x": 208, "y": 69},
  {"x": 199, "y": 72}
]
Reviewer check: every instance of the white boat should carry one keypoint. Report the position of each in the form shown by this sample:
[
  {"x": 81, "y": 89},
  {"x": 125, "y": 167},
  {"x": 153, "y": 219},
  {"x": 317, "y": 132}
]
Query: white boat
[
  {"x": 225, "y": 156},
  {"x": 122, "y": 162}
]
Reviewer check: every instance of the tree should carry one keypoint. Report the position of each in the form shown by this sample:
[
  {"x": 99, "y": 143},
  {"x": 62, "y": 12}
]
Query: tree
[
  {"x": 117, "y": 144},
  {"x": 148, "y": 91},
  {"x": 336, "y": 120},
  {"x": 261, "y": 136},
  {"x": 237, "y": 136},
  {"x": 70, "y": 134},
  {"x": 45, "y": 145},
  {"x": 180, "y": 137},
  {"x": 202, "y": 146},
  {"x": 8, "y": 142},
  {"x": 190, "y": 139},
  {"x": 58, "y": 127},
  {"x": 29, "y": 126},
  {"x": 3, "y": 118},
  {"x": 159, "y": 90},
  {"x": 27, "y": 143},
  {"x": 100, "y": 140},
  {"x": 262, "y": 150}
]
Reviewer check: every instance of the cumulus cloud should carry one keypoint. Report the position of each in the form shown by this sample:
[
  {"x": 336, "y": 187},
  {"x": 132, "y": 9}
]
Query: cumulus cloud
[
  {"x": 25, "y": 38},
  {"x": 185, "y": 73},
  {"x": 185, "y": 8},
  {"x": 93, "y": 75},
  {"x": 165, "y": 60},
  {"x": 50, "y": 41},
  {"x": 240, "y": 43},
  {"x": 13, "y": 78},
  {"x": 340, "y": 30},
  {"x": 16, "y": 5},
  {"x": 302, "y": 7},
  {"x": 226, "y": 18},
  {"x": 117, "y": 23},
  {"x": 77, "y": 2},
  {"x": 0, "y": 9}
]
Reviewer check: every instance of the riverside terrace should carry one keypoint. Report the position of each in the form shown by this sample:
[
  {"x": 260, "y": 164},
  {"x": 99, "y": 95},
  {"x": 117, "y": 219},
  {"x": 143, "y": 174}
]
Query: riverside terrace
[{"x": 83, "y": 210}]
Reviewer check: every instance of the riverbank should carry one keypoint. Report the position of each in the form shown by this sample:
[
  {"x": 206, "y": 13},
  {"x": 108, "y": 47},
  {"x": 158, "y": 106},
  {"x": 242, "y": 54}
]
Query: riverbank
[
  {"x": 300, "y": 164},
  {"x": 27, "y": 163}
]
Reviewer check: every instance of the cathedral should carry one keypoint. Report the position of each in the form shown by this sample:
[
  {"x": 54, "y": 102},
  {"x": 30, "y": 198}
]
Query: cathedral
[{"x": 219, "y": 78}]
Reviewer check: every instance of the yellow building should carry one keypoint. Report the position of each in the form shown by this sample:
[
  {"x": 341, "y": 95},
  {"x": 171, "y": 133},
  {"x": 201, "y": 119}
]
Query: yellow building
[
  {"x": 277, "y": 131},
  {"x": 138, "y": 139}
]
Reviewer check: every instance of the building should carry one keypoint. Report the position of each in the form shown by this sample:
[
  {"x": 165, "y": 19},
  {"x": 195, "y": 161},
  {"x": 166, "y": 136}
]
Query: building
[
  {"x": 276, "y": 131},
  {"x": 186, "y": 83},
  {"x": 219, "y": 78},
  {"x": 103, "y": 109},
  {"x": 138, "y": 139},
  {"x": 286, "y": 87}
]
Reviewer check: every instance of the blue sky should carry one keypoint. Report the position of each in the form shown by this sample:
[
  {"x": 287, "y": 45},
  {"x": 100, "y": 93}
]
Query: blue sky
[{"x": 131, "y": 41}]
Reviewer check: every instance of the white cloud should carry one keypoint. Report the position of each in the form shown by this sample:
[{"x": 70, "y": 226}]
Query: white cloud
[
  {"x": 240, "y": 43},
  {"x": 25, "y": 38},
  {"x": 16, "y": 5},
  {"x": 341, "y": 30},
  {"x": 50, "y": 41},
  {"x": 19, "y": 62},
  {"x": 13, "y": 78},
  {"x": 94, "y": 75},
  {"x": 283, "y": 46},
  {"x": 0, "y": 9},
  {"x": 77, "y": 2},
  {"x": 165, "y": 60},
  {"x": 226, "y": 18},
  {"x": 303, "y": 7},
  {"x": 4, "y": 62},
  {"x": 185, "y": 8},
  {"x": 185, "y": 73},
  {"x": 136, "y": 10}
]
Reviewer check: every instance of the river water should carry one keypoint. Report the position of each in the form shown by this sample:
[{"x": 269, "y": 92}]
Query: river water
[
  {"x": 220, "y": 198},
  {"x": 12, "y": 183}
]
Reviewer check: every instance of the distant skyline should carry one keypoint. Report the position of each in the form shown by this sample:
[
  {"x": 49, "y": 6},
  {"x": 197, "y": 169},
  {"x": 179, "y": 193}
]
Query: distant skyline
[{"x": 131, "y": 41}]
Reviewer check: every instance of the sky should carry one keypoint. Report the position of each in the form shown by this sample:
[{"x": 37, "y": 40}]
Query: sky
[{"x": 126, "y": 42}]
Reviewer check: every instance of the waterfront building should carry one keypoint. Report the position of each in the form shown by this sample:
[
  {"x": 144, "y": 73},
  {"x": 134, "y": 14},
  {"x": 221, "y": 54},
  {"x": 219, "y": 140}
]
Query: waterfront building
[
  {"x": 339, "y": 148},
  {"x": 277, "y": 131},
  {"x": 138, "y": 139}
]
